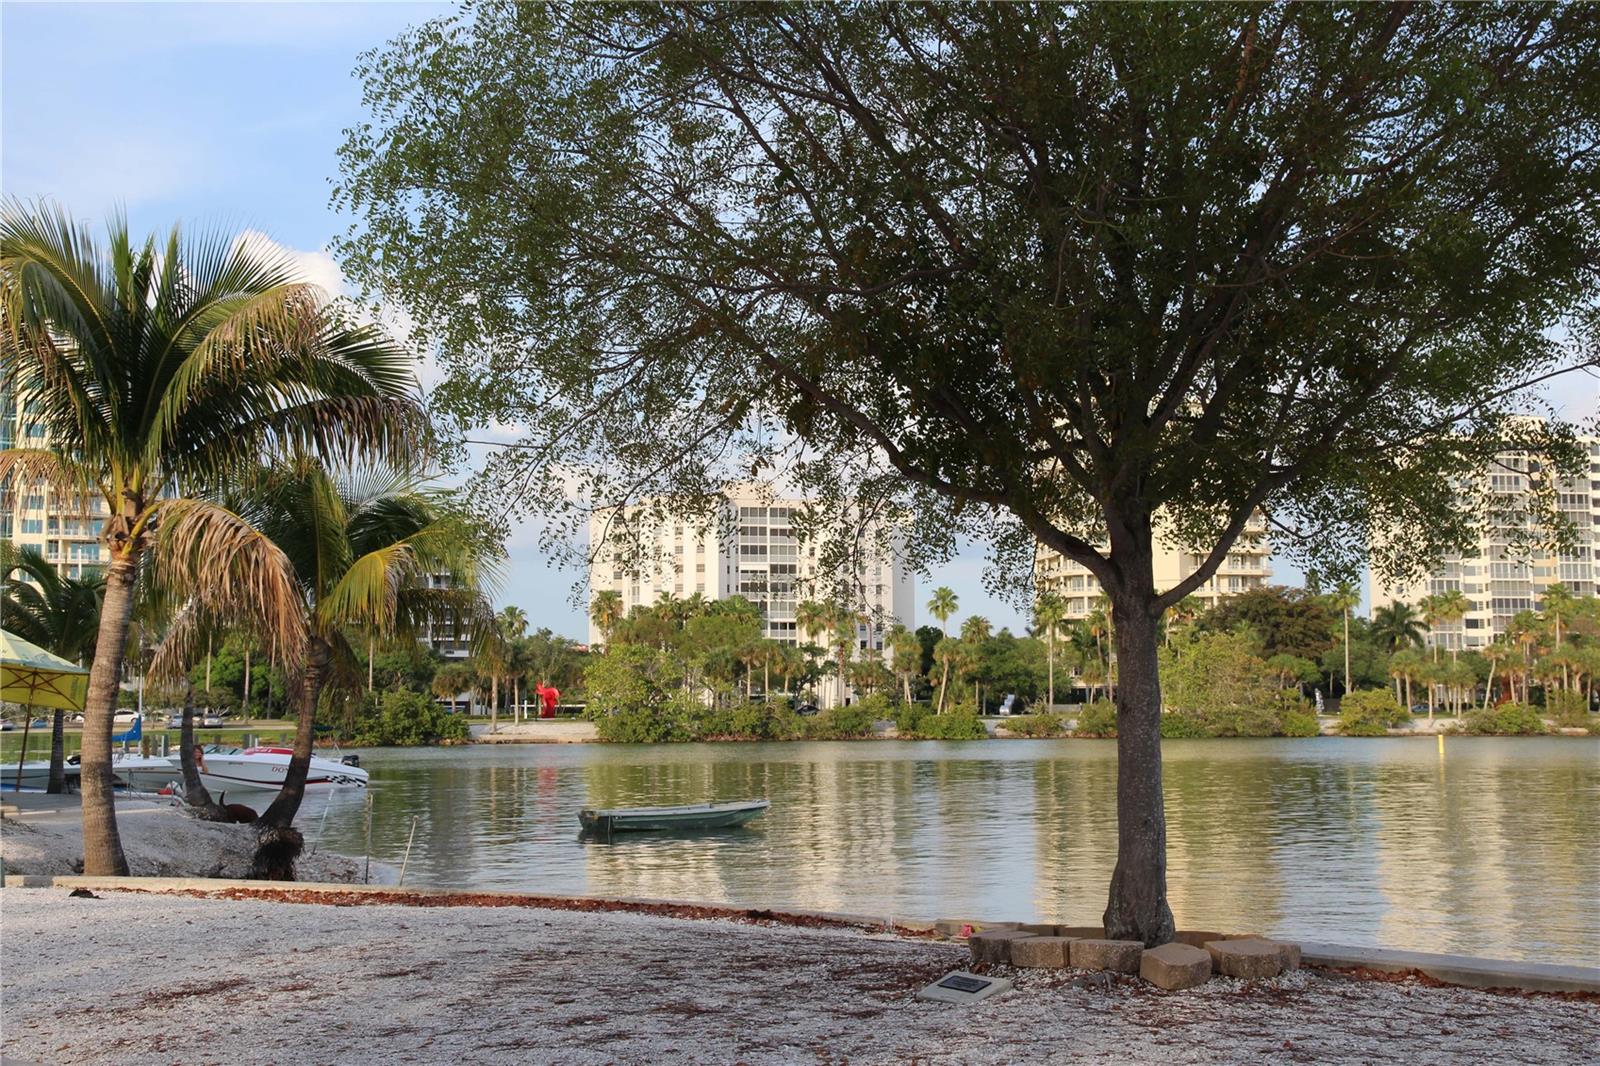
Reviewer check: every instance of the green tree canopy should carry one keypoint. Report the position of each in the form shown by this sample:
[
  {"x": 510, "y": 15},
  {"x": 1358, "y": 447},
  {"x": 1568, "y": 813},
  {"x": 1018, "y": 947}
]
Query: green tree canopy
[
  {"x": 1288, "y": 621},
  {"x": 1028, "y": 272}
]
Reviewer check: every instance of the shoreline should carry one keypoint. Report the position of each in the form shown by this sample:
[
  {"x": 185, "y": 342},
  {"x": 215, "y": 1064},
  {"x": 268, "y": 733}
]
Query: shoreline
[
  {"x": 523, "y": 734},
  {"x": 375, "y": 982},
  {"x": 43, "y": 838}
]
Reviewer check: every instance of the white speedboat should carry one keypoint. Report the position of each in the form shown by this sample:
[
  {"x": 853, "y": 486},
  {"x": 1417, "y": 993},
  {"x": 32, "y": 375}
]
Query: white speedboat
[
  {"x": 128, "y": 770},
  {"x": 262, "y": 769}
]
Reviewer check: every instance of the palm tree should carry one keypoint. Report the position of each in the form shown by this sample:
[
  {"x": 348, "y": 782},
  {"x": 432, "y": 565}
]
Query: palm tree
[
  {"x": 942, "y": 606},
  {"x": 974, "y": 631},
  {"x": 606, "y": 611},
  {"x": 905, "y": 651},
  {"x": 1398, "y": 625},
  {"x": 945, "y": 653},
  {"x": 1049, "y": 611},
  {"x": 842, "y": 621},
  {"x": 155, "y": 371},
  {"x": 59, "y": 614},
  {"x": 1448, "y": 608},
  {"x": 812, "y": 619},
  {"x": 1344, "y": 598},
  {"x": 361, "y": 544}
]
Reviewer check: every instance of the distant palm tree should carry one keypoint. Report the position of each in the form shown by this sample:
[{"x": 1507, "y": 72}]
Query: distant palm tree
[
  {"x": 156, "y": 371},
  {"x": 905, "y": 651},
  {"x": 1344, "y": 599},
  {"x": 1398, "y": 625},
  {"x": 1049, "y": 611},
  {"x": 59, "y": 614},
  {"x": 606, "y": 611},
  {"x": 974, "y": 632},
  {"x": 942, "y": 606}
]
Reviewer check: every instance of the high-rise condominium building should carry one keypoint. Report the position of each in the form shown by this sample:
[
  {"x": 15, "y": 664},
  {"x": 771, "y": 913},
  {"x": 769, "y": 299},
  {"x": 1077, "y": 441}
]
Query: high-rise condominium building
[
  {"x": 1497, "y": 579},
  {"x": 64, "y": 527},
  {"x": 1248, "y": 566},
  {"x": 754, "y": 552}
]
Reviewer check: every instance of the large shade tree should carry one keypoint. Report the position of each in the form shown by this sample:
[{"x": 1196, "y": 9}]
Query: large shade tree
[
  {"x": 156, "y": 369},
  {"x": 1053, "y": 273}
]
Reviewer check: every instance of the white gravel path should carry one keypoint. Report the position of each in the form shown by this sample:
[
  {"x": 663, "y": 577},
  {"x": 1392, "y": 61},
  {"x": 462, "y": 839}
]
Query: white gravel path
[{"x": 130, "y": 979}]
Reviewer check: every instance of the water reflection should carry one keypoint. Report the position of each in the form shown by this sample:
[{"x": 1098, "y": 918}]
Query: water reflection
[{"x": 1490, "y": 850}]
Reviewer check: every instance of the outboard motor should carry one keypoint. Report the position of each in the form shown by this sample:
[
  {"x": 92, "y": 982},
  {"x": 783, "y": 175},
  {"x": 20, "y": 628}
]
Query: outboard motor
[{"x": 350, "y": 760}]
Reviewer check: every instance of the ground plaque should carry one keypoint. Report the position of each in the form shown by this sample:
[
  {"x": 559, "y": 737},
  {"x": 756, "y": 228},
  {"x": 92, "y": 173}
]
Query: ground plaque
[{"x": 958, "y": 986}]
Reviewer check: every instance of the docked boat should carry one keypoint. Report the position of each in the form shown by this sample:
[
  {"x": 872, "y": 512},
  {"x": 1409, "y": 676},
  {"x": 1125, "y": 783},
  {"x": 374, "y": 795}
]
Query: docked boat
[
  {"x": 698, "y": 816},
  {"x": 153, "y": 773},
  {"x": 260, "y": 769}
]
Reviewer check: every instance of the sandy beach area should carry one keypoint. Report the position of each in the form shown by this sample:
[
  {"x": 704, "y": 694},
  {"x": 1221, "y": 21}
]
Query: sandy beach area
[
  {"x": 130, "y": 978},
  {"x": 160, "y": 838}
]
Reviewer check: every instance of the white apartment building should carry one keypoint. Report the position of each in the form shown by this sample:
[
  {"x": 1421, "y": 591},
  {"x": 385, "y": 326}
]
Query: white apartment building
[
  {"x": 63, "y": 527},
  {"x": 754, "y": 551},
  {"x": 1499, "y": 581},
  {"x": 1247, "y": 566}
]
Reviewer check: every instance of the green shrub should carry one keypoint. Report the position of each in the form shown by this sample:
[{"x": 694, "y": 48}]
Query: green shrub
[
  {"x": 1506, "y": 720},
  {"x": 1036, "y": 725},
  {"x": 908, "y": 717},
  {"x": 952, "y": 727},
  {"x": 765, "y": 721},
  {"x": 402, "y": 718},
  {"x": 1097, "y": 720},
  {"x": 1569, "y": 709},
  {"x": 877, "y": 706},
  {"x": 1183, "y": 725},
  {"x": 1370, "y": 713},
  {"x": 1300, "y": 724},
  {"x": 840, "y": 723}
]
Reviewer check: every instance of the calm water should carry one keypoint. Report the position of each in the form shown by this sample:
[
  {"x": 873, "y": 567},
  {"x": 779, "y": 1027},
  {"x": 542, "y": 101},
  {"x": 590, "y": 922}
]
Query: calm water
[{"x": 1491, "y": 849}]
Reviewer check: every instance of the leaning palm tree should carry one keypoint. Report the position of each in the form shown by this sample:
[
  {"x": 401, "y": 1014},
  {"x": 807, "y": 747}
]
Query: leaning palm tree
[
  {"x": 59, "y": 614},
  {"x": 905, "y": 652},
  {"x": 362, "y": 544},
  {"x": 155, "y": 371}
]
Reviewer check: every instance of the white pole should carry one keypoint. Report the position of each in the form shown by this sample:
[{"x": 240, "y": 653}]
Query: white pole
[{"x": 412, "y": 836}]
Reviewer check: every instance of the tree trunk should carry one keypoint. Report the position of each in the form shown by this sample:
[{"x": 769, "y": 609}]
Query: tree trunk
[
  {"x": 1050, "y": 697},
  {"x": 944, "y": 678},
  {"x": 58, "y": 754},
  {"x": 1347, "y": 649},
  {"x": 246, "y": 708},
  {"x": 280, "y": 815},
  {"x": 1137, "y": 908},
  {"x": 102, "y": 846},
  {"x": 494, "y": 703},
  {"x": 195, "y": 793}
]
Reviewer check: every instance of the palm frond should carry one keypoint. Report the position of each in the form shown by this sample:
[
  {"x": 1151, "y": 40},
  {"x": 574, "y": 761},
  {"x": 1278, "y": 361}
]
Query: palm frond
[{"x": 230, "y": 570}]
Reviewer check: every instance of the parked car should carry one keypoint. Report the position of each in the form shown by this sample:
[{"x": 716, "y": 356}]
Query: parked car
[
  {"x": 1419, "y": 708},
  {"x": 7, "y": 724},
  {"x": 806, "y": 710},
  {"x": 41, "y": 723},
  {"x": 211, "y": 720},
  {"x": 125, "y": 717}
]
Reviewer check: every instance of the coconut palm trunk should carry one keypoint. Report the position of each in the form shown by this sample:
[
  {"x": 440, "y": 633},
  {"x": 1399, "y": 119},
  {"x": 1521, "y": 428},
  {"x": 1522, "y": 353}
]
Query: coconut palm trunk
[
  {"x": 102, "y": 845},
  {"x": 280, "y": 814},
  {"x": 195, "y": 793}
]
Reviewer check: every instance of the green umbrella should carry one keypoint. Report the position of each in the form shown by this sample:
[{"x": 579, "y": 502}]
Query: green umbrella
[
  {"x": 31, "y": 675},
  {"x": 34, "y": 677}
]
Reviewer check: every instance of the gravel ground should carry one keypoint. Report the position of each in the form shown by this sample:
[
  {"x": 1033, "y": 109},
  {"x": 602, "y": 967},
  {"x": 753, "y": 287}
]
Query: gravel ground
[
  {"x": 131, "y": 978},
  {"x": 160, "y": 839}
]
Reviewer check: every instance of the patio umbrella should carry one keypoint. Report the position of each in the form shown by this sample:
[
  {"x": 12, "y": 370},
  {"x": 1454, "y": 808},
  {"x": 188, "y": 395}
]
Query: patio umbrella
[{"x": 33, "y": 677}]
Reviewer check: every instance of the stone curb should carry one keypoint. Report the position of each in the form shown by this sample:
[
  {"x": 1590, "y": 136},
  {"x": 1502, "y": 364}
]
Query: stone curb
[
  {"x": 1467, "y": 971},
  {"x": 1463, "y": 970}
]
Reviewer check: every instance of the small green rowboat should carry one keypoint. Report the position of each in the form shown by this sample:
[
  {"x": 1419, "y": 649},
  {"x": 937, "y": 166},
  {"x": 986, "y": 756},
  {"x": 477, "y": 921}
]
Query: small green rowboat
[{"x": 698, "y": 816}]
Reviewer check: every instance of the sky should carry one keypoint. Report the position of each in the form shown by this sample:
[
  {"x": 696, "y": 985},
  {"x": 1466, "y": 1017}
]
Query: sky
[{"x": 228, "y": 116}]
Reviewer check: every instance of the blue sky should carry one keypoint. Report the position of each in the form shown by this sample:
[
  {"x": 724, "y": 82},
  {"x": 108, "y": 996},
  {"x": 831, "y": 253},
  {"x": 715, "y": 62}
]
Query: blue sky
[{"x": 229, "y": 115}]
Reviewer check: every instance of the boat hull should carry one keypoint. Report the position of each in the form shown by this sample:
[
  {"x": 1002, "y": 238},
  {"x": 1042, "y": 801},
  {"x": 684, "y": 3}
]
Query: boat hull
[
  {"x": 657, "y": 819},
  {"x": 257, "y": 771}
]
